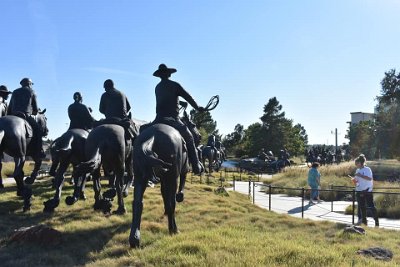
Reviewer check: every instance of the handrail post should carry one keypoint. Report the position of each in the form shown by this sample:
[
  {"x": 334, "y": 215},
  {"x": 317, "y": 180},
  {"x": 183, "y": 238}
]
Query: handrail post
[
  {"x": 234, "y": 180},
  {"x": 254, "y": 193},
  {"x": 269, "y": 195},
  {"x": 353, "y": 208},
  {"x": 240, "y": 174},
  {"x": 249, "y": 188},
  {"x": 331, "y": 187},
  {"x": 302, "y": 202}
]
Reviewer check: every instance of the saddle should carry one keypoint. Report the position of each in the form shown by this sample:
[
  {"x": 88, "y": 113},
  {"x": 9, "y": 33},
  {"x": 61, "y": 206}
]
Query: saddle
[
  {"x": 27, "y": 125},
  {"x": 131, "y": 129}
]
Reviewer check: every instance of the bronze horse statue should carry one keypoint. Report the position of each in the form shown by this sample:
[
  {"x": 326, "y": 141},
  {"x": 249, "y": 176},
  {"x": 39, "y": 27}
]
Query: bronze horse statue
[
  {"x": 106, "y": 146},
  {"x": 65, "y": 150},
  {"x": 159, "y": 150},
  {"x": 213, "y": 157},
  {"x": 15, "y": 140}
]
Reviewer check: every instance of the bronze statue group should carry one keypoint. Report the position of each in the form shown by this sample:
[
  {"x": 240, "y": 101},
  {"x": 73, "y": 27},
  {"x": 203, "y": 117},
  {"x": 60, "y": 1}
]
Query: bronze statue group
[{"x": 159, "y": 151}]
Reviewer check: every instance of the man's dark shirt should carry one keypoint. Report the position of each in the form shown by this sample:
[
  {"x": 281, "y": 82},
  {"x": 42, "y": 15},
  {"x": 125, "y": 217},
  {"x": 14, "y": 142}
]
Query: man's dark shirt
[
  {"x": 167, "y": 94},
  {"x": 114, "y": 104},
  {"x": 80, "y": 116},
  {"x": 23, "y": 100}
]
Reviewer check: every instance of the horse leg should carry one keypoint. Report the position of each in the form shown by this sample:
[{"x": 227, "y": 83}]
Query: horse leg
[
  {"x": 119, "y": 185},
  {"x": 99, "y": 203},
  {"x": 22, "y": 189},
  {"x": 38, "y": 162},
  {"x": 210, "y": 163},
  {"x": 204, "y": 162},
  {"x": 53, "y": 203},
  {"x": 168, "y": 193},
  {"x": 1, "y": 177},
  {"x": 182, "y": 181},
  {"x": 137, "y": 207},
  {"x": 19, "y": 175},
  {"x": 79, "y": 186},
  {"x": 129, "y": 175}
]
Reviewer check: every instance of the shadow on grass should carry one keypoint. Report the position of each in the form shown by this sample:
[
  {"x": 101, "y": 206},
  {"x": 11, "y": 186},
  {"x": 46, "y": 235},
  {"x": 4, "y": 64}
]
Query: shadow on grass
[{"x": 77, "y": 248}]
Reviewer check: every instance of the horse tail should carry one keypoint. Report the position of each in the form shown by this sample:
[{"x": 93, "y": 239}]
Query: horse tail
[
  {"x": 90, "y": 165},
  {"x": 62, "y": 145},
  {"x": 148, "y": 157}
]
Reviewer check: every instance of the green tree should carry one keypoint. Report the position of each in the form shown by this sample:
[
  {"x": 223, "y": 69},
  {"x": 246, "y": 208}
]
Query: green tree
[
  {"x": 205, "y": 123},
  {"x": 362, "y": 139},
  {"x": 233, "y": 141},
  {"x": 387, "y": 123},
  {"x": 275, "y": 132}
]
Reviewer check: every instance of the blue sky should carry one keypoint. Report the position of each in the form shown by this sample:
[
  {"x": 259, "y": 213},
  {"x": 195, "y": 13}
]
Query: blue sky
[{"x": 321, "y": 59}]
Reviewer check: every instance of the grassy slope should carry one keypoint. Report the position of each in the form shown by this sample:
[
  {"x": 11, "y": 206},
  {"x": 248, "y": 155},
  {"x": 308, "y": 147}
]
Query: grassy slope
[{"x": 215, "y": 231}]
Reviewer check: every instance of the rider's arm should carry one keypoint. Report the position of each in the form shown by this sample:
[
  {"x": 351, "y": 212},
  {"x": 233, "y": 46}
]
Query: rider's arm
[
  {"x": 185, "y": 95},
  {"x": 34, "y": 104},
  {"x": 102, "y": 107}
]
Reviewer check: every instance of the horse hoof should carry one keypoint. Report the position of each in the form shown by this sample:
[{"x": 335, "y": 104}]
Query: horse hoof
[
  {"x": 82, "y": 196},
  {"x": 26, "y": 208},
  {"x": 173, "y": 231},
  {"x": 20, "y": 193},
  {"x": 70, "y": 200},
  {"x": 120, "y": 211},
  {"x": 134, "y": 239},
  {"x": 179, "y": 197},
  {"x": 125, "y": 193},
  {"x": 29, "y": 180},
  {"x": 97, "y": 205},
  {"x": 110, "y": 193},
  {"x": 106, "y": 206},
  {"x": 50, "y": 205}
]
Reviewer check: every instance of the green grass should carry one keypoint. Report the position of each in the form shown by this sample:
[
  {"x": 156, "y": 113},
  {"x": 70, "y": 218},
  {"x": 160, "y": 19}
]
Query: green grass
[
  {"x": 215, "y": 230},
  {"x": 8, "y": 168}
]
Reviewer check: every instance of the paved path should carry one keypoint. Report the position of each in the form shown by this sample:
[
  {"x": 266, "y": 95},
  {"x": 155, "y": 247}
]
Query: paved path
[{"x": 322, "y": 211}]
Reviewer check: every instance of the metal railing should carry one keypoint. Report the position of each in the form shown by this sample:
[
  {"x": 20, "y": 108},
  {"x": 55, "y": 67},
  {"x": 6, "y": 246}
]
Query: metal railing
[{"x": 303, "y": 190}]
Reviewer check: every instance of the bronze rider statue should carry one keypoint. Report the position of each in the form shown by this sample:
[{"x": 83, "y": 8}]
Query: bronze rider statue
[
  {"x": 23, "y": 104},
  {"x": 167, "y": 109},
  {"x": 79, "y": 114},
  {"x": 3, "y": 100}
]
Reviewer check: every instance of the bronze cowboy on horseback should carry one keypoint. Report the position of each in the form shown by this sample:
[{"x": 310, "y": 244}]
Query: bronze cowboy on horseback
[
  {"x": 3, "y": 100},
  {"x": 23, "y": 104},
  {"x": 79, "y": 114},
  {"x": 167, "y": 109},
  {"x": 115, "y": 106}
]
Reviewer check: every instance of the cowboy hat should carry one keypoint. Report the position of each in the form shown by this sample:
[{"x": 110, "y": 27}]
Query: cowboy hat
[
  {"x": 162, "y": 69},
  {"x": 4, "y": 90},
  {"x": 25, "y": 81}
]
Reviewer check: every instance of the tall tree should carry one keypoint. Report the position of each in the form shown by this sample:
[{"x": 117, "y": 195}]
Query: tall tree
[
  {"x": 205, "y": 123},
  {"x": 272, "y": 113}
]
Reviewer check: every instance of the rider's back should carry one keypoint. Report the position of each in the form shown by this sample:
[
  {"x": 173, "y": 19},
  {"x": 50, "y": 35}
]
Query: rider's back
[{"x": 23, "y": 100}]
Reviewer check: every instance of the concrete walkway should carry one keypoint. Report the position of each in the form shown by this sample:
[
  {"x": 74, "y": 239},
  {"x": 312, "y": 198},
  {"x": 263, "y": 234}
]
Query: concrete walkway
[{"x": 321, "y": 211}]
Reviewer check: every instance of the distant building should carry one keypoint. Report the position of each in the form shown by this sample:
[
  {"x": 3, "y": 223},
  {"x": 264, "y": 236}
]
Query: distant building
[{"x": 356, "y": 117}]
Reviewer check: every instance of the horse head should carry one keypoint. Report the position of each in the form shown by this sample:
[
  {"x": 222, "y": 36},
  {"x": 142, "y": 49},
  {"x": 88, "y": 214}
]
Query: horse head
[{"x": 42, "y": 122}]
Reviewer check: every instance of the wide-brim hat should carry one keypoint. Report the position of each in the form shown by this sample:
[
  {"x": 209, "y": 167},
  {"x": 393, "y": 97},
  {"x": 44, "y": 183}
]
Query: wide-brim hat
[
  {"x": 4, "y": 90},
  {"x": 162, "y": 69}
]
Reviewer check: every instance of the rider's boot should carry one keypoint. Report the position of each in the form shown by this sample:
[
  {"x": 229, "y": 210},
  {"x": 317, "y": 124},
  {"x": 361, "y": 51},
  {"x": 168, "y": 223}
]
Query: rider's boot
[{"x": 197, "y": 167}]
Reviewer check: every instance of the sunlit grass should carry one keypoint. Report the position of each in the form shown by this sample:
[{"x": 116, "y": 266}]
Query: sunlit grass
[{"x": 215, "y": 230}]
